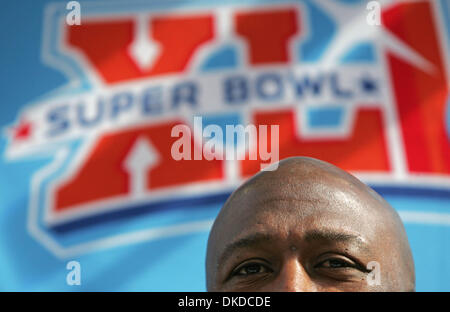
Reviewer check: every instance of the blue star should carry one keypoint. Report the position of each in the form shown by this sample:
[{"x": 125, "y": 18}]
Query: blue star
[{"x": 369, "y": 85}]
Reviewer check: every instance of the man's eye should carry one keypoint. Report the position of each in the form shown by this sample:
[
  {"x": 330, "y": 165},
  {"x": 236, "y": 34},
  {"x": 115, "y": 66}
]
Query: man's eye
[
  {"x": 335, "y": 264},
  {"x": 250, "y": 269}
]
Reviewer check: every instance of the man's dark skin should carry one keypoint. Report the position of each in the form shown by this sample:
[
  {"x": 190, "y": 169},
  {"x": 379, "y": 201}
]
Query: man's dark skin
[{"x": 307, "y": 226}]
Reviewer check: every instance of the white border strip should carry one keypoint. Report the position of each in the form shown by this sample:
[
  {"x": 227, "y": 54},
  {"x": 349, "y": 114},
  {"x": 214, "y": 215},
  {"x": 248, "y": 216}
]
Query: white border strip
[{"x": 425, "y": 217}]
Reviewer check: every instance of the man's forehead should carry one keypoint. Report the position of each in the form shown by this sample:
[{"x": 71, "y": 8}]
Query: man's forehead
[
  {"x": 294, "y": 216},
  {"x": 299, "y": 197},
  {"x": 305, "y": 178},
  {"x": 293, "y": 207},
  {"x": 310, "y": 188}
]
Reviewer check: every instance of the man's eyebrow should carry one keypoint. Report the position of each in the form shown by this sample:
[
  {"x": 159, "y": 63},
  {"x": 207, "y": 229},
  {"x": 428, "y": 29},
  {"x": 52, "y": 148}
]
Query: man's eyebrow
[
  {"x": 311, "y": 236},
  {"x": 335, "y": 236},
  {"x": 247, "y": 241}
]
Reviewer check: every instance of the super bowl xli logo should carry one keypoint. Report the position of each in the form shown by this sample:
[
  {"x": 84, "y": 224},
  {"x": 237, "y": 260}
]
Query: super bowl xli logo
[{"x": 371, "y": 100}]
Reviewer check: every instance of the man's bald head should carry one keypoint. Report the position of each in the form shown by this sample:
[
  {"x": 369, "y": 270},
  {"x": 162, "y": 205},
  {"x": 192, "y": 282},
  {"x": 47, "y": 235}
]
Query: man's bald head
[{"x": 307, "y": 226}]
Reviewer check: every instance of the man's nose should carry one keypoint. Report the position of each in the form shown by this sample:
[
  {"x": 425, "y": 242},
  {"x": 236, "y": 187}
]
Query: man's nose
[{"x": 294, "y": 278}]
